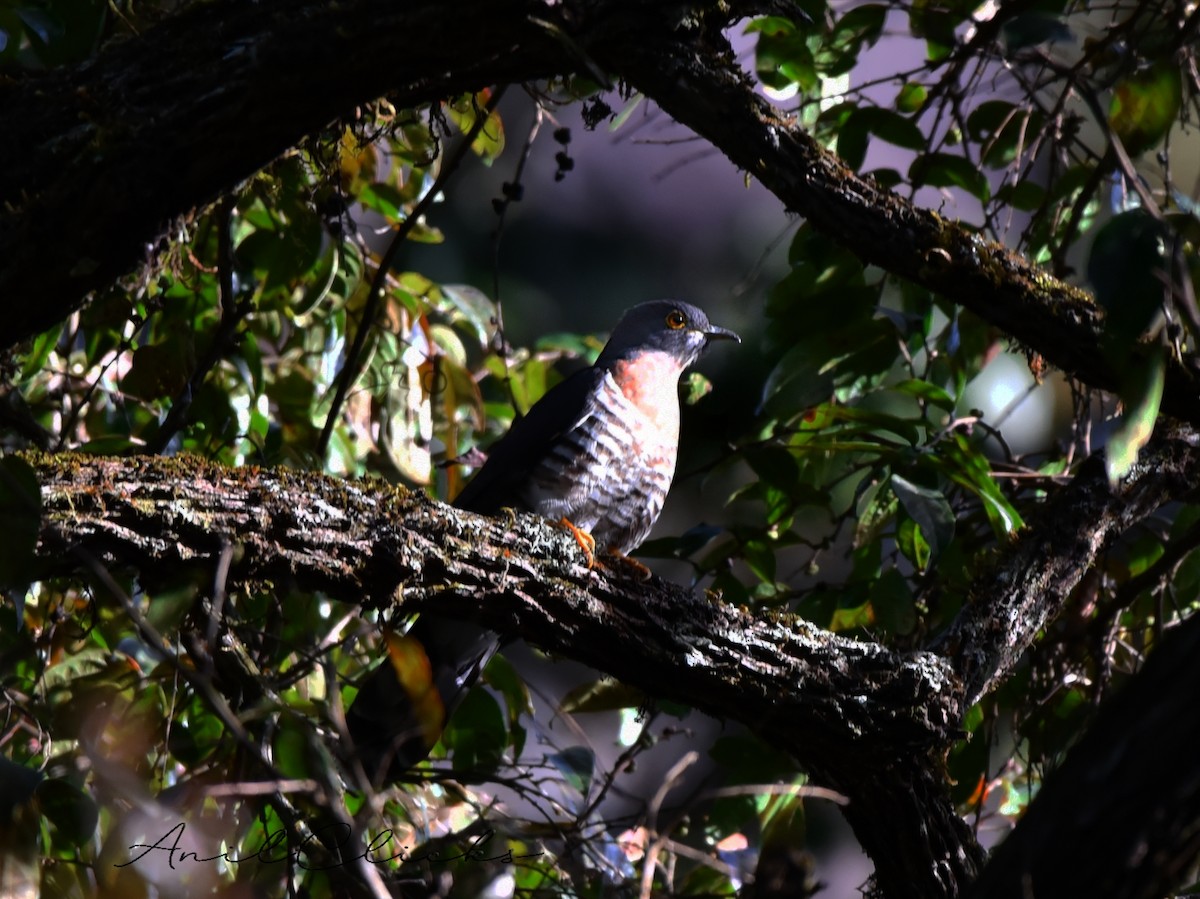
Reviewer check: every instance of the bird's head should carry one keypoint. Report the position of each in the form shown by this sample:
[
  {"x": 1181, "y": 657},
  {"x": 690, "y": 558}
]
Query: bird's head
[{"x": 668, "y": 326}]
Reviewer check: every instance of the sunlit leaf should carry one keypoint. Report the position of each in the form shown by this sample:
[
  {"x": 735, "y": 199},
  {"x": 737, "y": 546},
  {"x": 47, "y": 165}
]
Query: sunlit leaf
[
  {"x": 911, "y": 97},
  {"x": 1140, "y": 395}
]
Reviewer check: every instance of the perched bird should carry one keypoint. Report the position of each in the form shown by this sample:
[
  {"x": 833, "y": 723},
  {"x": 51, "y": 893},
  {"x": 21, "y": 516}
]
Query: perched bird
[{"x": 597, "y": 453}]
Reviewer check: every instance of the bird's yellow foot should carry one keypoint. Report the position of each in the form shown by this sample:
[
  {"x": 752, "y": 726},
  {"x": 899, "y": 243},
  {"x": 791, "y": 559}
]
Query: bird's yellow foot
[{"x": 585, "y": 540}]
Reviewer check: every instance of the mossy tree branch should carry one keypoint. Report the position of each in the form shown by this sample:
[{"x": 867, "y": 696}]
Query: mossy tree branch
[{"x": 869, "y": 722}]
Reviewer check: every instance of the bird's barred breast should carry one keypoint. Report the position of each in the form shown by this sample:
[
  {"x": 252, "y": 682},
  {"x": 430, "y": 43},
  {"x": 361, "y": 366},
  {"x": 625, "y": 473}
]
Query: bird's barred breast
[{"x": 610, "y": 474}]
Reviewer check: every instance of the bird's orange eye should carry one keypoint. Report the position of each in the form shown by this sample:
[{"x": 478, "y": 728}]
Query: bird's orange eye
[{"x": 676, "y": 320}]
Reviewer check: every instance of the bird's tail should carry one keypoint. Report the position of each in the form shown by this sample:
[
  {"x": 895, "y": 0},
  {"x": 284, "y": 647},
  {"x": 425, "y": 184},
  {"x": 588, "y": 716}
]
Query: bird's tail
[{"x": 403, "y": 705}]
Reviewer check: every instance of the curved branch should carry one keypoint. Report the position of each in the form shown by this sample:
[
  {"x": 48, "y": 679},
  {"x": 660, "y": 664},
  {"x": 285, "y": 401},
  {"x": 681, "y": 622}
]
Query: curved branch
[
  {"x": 694, "y": 79},
  {"x": 1029, "y": 583},
  {"x": 867, "y": 721},
  {"x": 806, "y": 690},
  {"x": 104, "y": 156}
]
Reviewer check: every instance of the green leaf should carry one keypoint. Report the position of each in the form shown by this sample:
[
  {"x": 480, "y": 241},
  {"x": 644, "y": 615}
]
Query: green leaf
[
  {"x": 1126, "y": 267},
  {"x": 603, "y": 695},
  {"x": 883, "y": 123},
  {"x": 20, "y": 519},
  {"x": 947, "y": 170},
  {"x": 1146, "y": 104},
  {"x": 782, "y": 56},
  {"x": 929, "y": 509},
  {"x": 924, "y": 390},
  {"x": 465, "y": 112},
  {"x": 893, "y": 603},
  {"x": 760, "y": 556},
  {"x": 852, "y": 618},
  {"x": 1140, "y": 395},
  {"x": 911, "y": 97},
  {"x": 291, "y": 748},
  {"x": 1024, "y": 195},
  {"x": 160, "y": 370},
  {"x": 476, "y": 734},
  {"x": 72, "y": 812}
]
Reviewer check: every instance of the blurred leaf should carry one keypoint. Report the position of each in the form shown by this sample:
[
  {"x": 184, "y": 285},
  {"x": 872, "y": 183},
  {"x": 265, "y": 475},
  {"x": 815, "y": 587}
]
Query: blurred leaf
[
  {"x": 385, "y": 199},
  {"x": 603, "y": 695},
  {"x": 72, "y": 812},
  {"x": 892, "y": 601},
  {"x": 291, "y": 753},
  {"x": 1024, "y": 195},
  {"x": 476, "y": 734},
  {"x": 760, "y": 557},
  {"x": 1145, "y": 105},
  {"x": 926, "y": 391},
  {"x": 947, "y": 170},
  {"x": 1140, "y": 396},
  {"x": 160, "y": 370},
  {"x": 695, "y": 387},
  {"x": 782, "y": 55},
  {"x": 884, "y": 124},
  {"x": 465, "y": 112},
  {"x": 20, "y": 519},
  {"x": 911, "y": 97},
  {"x": 852, "y": 618},
  {"x": 577, "y": 765},
  {"x": 474, "y": 307},
  {"x": 1126, "y": 270}
]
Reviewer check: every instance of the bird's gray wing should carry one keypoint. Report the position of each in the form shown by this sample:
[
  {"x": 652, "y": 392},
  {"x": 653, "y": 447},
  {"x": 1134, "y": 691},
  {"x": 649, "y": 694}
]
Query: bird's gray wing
[{"x": 511, "y": 458}]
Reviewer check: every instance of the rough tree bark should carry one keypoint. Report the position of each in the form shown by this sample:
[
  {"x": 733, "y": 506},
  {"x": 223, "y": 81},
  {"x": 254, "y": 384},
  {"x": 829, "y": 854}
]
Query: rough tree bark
[{"x": 868, "y": 722}]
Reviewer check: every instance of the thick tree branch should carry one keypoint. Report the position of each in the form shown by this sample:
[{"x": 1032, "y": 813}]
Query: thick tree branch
[
  {"x": 694, "y": 78},
  {"x": 869, "y": 722},
  {"x": 873, "y": 722},
  {"x": 1121, "y": 818},
  {"x": 103, "y": 156},
  {"x": 1029, "y": 583},
  {"x": 806, "y": 690}
]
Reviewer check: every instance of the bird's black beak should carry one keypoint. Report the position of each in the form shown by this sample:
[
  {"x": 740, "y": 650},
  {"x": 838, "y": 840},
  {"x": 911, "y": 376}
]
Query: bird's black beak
[{"x": 716, "y": 333}]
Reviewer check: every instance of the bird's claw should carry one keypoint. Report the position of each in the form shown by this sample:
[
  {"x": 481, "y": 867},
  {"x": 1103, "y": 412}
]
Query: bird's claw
[{"x": 585, "y": 540}]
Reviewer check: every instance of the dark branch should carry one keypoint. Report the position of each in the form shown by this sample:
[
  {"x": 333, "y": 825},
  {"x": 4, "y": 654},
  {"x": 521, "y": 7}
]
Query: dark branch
[
  {"x": 869, "y": 722},
  {"x": 1029, "y": 584},
  {"x": 104, "y": 156},
  {"x": 807, "y": 690},
  {"x": 1121, "y": 818}
]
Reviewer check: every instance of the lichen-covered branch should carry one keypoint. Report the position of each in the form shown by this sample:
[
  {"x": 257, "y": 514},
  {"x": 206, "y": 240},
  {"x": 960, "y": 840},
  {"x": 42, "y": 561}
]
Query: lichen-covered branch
[
  {"x": 865, "y": 720},
  {"x": 1031, "y": 580},
  {"x": 806, "y": 690},
  {"x": 1121, "y": 817}
]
